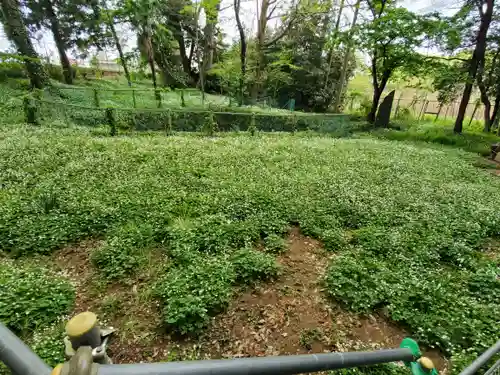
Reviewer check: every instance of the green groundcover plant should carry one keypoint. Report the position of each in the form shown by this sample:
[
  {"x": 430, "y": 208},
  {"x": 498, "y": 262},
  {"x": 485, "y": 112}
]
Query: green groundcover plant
[{"x": 408, "y": 222}]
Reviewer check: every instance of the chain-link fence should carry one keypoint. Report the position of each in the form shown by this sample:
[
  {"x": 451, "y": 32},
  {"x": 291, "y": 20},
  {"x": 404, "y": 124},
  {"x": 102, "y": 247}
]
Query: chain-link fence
[{"x": 44, "y": 110}]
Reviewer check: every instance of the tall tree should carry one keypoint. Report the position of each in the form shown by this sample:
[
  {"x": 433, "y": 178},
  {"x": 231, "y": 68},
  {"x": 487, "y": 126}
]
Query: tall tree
[
  {"x": 299, "y": 64},
  {"x": 18, "y": 34},
  {"x": 73, "y": 23},
  {"x": 488, "y": 82},
  {"x": 57, "y": 33},
  {"x": 485, "y": 10},
  {"x": 265, "y": 14},
  {"x": 243, "y": 50},
  {"x": 141, "y": 15},
  {"x": 347, "y": 54},
  {"x": 391, "y": 39},
  {"x": 110, "y": 22}
]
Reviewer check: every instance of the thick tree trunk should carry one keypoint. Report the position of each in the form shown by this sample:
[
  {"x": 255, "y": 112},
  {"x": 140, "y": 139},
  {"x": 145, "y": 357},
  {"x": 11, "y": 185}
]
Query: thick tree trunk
[
  {"x": 120, "y": 51},
  {"x": 60, "y": 44},
  {"x": 212, "y": 16},
  {"x": 151, "y": 60},
  {"x": 259, "y": 48},
  {"x": 484, "y": 99},
  {"x": 496, "y": 106},
  {"x": 243, "y": 51},
  {"x": 17, "y": 33},
  {"x": 377, "y": 93},
  {"x": 487, "y": 118},
  {"x": 476, "y": 59},
  {"x": 186, "y": 62}
]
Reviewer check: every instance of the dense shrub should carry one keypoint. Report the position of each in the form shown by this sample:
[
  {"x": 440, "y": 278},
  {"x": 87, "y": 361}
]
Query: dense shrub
[
  {"x": 433, "y": 303},
  {"x": 191, "y": 295},
  {"x": 32, "y": 296},
  {"x": 275, "y": 244},
  {"x": 334, "y": 239},
  {"x": 123, "y": 252},
  {"x": 251, "y": 265}
]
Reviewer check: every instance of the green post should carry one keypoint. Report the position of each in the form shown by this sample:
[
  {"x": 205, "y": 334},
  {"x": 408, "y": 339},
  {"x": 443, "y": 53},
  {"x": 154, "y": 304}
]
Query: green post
[
  {"x": 210, "y": 126},
  {"x": 183, "y": 103},
  {"x": 30, "y": 111},
  {"x": 110, "y": 118},
  {"x": 292, "y": 105},
  {"x": 168, "y": 124},
  {"x": 252, "y": 129},
  {"x": 133, "y": 98},
  {"x": 96, "y": 98},
  {"x": 158, "y": 98},
  {"x": 420, "y": 365}
]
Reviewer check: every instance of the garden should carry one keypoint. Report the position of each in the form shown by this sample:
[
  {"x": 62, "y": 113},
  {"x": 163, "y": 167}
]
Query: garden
[{"x": 184, "y": 225}]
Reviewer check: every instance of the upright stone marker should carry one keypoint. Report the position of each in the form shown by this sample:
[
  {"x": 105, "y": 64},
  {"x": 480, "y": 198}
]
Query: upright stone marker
[{"x": 384, "y": 111}]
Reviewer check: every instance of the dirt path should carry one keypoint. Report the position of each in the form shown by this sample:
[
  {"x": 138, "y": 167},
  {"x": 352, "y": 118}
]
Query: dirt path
[
  {"x": 287, "y": 316},
  {"x": 291, "y": 315}
]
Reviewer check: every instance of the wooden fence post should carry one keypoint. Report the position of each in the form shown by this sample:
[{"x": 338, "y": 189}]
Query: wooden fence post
[
  {"x": 439, "y": 111},
  {"x": 446, "y": 113},
  {"x": 424, "y": 108},
  {"x": 474, "y": 112},
  {"x": 397, "y": 104}
]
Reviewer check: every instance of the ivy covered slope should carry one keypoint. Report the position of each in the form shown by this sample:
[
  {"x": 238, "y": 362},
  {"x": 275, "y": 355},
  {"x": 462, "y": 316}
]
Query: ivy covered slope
[{"x": 409, "y": 223}]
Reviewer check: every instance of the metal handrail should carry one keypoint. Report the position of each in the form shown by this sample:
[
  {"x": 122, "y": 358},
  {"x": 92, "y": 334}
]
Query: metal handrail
[
  {"x": 23, "y": 361},
  {"x": 482, "y": 360},
  {"x": 282, "y": 365},
  {"x": 18, "y": 356}
]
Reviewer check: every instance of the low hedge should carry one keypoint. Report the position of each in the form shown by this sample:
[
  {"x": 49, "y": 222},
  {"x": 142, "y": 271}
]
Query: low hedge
[
  {"x": 143, "y": 120},
  {"x": 228, "y": 121}
]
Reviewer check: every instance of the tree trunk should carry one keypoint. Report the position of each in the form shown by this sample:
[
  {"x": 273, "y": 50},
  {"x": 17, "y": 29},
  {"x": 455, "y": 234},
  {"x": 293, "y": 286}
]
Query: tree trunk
[
  {"x": 209, "y": 34},
  {"x": 259, "y": 49},
  {"x": 60, "y": 44},
  {"x": 150, "y": 54},
  {"x": 330, "y": 52},
  {"x": 476, "y": 59},
  {"x": 120, "y": 51},
  {"x": 243, "y": 51},
  {"x": 487, "y": 118},
  {"x": 343, "y": 72},
  {"x": 496, "y": 106},
  {"x": 16, "y": 31},
  {"x": 377, "y": 93}
]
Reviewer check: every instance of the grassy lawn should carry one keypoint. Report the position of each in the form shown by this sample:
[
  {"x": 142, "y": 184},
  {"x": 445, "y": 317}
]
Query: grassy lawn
[
  {"x": 408, "y": 225},
  {"x": 473, "y": 139}
]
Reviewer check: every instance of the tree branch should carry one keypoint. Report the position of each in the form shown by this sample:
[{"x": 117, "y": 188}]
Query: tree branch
[
  {"x": 283, "y": 33},
  {"x": 270, "y": 15}
]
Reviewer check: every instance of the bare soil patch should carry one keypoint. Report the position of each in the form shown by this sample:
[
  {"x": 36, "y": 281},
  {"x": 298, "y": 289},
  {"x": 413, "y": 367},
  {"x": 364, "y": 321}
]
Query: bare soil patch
[
  {"x": 287, "y": 316},
  {"x": 291, "y": 315}
]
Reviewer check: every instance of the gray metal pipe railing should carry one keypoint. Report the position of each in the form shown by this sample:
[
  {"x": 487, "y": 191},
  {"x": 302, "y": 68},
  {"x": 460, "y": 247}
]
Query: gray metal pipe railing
[
  {"x": 18, "y": 356},
  {"x": 482, "y": 360},
  {"x": 282, "y": 365}
]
